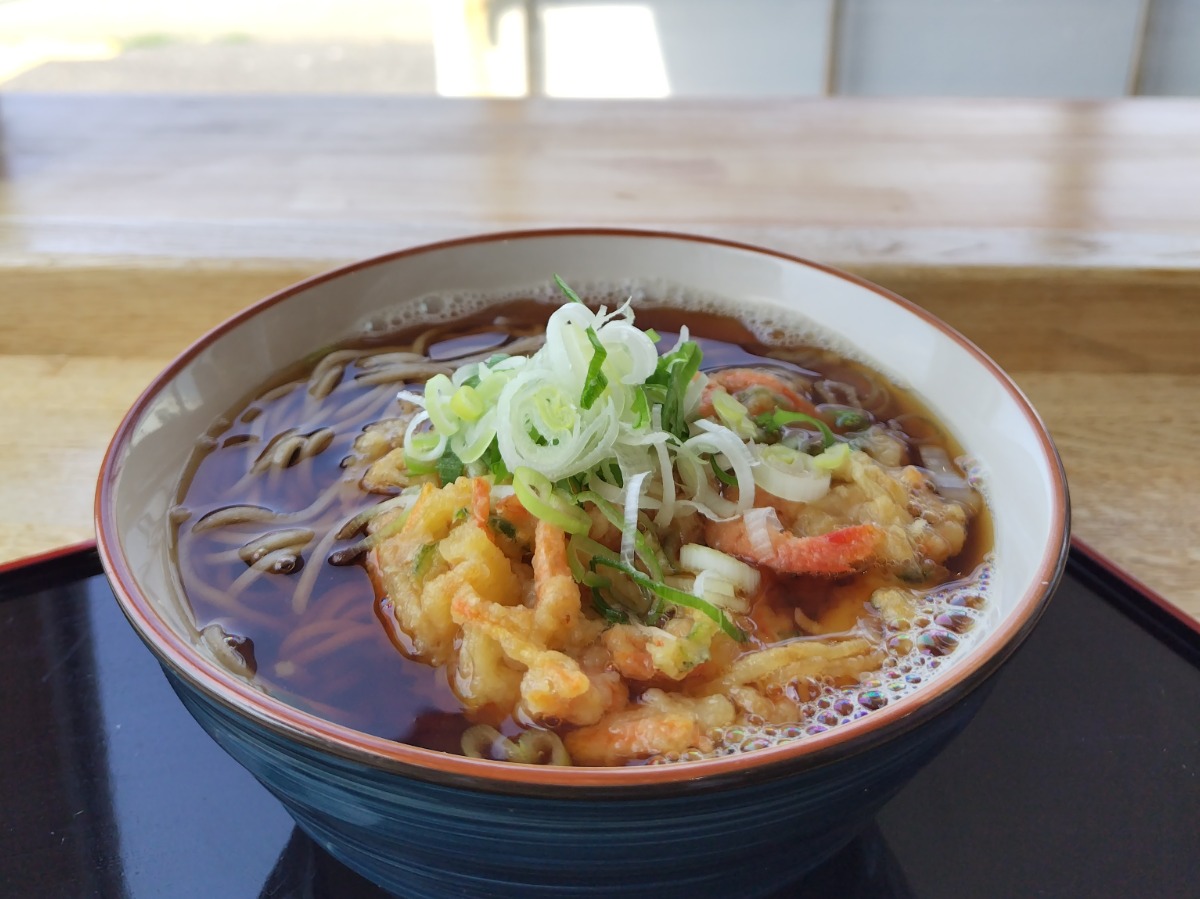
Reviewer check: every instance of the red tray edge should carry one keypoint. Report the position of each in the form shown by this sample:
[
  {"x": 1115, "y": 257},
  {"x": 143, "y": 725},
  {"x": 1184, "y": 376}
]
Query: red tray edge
[{"x": 49, "y": 555}]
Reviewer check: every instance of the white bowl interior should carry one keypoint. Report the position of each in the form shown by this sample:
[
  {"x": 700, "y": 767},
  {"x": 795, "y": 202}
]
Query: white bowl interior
[{"x": 984, "y": 414}]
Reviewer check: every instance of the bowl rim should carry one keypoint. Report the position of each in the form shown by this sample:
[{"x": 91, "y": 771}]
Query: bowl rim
[{"x": 284, "y": 720}]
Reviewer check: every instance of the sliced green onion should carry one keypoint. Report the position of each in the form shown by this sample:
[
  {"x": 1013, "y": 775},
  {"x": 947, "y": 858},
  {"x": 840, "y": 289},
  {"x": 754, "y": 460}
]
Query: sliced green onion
[
  {"x": 580, "y": 545},
  {"x": 609, "y": 613},
  {"x": 595, "y": 382},
  {"x": 423, "y": 560},
  {"x": 495, "y": 463},
  {"x": 697, "y": 558},
  {"x": 781, "y": 417},
  {"x": 719, "y": 592},
  {"x": 438, "y": 391},
  {"x": 722, "y": 475},
  {"x": 466, "y": 404},
  {"x": 654, "y": 616},
  {"x": 449, "y": 468},
  {"x": 614, "y": 517},
  {"x": 717, "y": 439},
  {"x": 567, "y": 291},
  {"x": 789, "y": 474},
  {"x": 542, "y": 500},
  {"x": 640, "y": 409},
  {"x": 850, "y": 419},
  {"x": 418, "y": 466},
  {"x": 733, "y": 415},
  {"x": 674, "y": 373},
  {"x": 473, "y": 441},
  {"x": 654, "y": 336},
  {"x": 678, "y": 597}
]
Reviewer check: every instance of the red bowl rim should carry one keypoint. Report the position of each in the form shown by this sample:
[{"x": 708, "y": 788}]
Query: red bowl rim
[{"x": 430, "y": 765}]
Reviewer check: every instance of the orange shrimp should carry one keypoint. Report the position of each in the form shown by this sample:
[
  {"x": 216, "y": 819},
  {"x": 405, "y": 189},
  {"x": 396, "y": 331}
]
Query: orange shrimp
[
  {"x": 512, "y": 528},
  {"x": 558, "y": 619},
  {"x": 736, "y": 380},
  {"x": 481, "y": 502},
  {"x": 843, "y": 551},
  {"x": 662, "y": 723}
]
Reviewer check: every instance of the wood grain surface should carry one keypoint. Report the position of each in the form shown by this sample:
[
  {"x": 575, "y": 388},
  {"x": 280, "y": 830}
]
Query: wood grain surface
[{"x": 1064, "y": 238}]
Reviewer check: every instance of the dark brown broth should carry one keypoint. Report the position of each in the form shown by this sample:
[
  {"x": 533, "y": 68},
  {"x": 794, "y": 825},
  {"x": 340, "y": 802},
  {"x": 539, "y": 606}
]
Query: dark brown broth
[{"x": 368, "y": 684}]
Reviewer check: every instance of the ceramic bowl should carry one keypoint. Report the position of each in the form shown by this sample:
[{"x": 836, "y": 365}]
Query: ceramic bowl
[{"x": 427, "y": 824}]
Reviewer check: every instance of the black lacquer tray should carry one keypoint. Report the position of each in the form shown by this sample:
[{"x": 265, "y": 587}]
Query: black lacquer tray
[{"x": 1080, "y": 776}]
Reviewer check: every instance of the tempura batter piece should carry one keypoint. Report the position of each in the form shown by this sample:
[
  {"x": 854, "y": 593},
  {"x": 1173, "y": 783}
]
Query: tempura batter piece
[
  {"x": 774, "y": 670},
  {"x": 919, "y": 526},
  {"x": 645, "y": 653},
  {"x": 461, "y": 600},
  {"x": 660, "y": 724},
  {"x": 380, "y": 438},
  {"x": 382, "y": 445},
  {"x": 896, "y": 607},
  {"x": 558, "y": 619},
  {"x": 488, "y": 684},
  {"x": 421, "y": 568},
  {"x": 555, "y": 687}
]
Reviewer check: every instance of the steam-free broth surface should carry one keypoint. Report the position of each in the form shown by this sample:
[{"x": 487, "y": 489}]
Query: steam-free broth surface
[{"x": 325, "y": 638}]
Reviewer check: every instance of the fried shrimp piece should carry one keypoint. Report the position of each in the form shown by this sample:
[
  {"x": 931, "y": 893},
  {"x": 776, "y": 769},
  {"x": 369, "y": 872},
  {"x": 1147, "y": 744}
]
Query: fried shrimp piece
[
  {"x": 919, "y": 525},
  {"x": 759, "y": 390},
  {"x": 554, "y": 686},
  {"x": 483, "y": 678},
  {"x": 661, "y": 723},
  {"x": 460, "y": 599},
  {"x": 481, "y": 501},
  {"x": 842, "y": 551},
  {"x": 558, "y": 618},
  {"x": 871, "y": 515},
  {"x": 420, "y": 568}
]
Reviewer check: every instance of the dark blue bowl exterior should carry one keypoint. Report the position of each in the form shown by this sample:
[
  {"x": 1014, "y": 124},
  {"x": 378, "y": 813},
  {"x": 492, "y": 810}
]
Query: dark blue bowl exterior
[{"x": 429, "y": 841}]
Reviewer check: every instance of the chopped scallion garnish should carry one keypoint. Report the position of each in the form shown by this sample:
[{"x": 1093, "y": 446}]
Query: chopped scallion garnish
[
  {"x": 678, "y": 597},
  {"x": 641, "y": 409},
  {"x": 850, "y": 419},
  {"x": 423, "y": 560},
  {"x": 543, "y": 500},
  {"x": 449, "y": 467},
  {"x": 782, "y": 417},
  {"x": 614, "y": 517},
  {"x": 722, "y": 475},
  {"x": 673, "y": 374},
  {"x": 609, "y": 613},
  {"x": 595, "y": 382},
  {"x": 567, "y": 291}
]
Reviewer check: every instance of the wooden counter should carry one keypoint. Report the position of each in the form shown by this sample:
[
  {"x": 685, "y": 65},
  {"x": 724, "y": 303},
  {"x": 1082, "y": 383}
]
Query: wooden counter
[{"x": 1064, "y": 238}]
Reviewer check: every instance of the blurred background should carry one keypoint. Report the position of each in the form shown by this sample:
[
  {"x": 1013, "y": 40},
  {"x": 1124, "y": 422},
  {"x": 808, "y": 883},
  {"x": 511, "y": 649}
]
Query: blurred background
[{"x": 605, "y": 48}]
